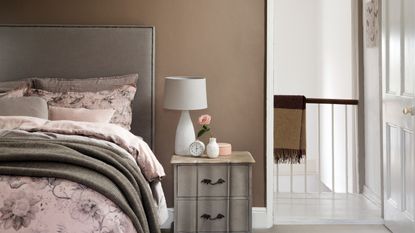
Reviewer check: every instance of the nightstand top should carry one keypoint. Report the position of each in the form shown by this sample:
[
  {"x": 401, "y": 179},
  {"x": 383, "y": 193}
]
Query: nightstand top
[{"x": 235, "y": 157}]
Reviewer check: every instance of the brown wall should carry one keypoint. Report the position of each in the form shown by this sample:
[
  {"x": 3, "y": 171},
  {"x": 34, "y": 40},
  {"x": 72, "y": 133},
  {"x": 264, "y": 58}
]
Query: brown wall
[{"x": 221, "y": 39}]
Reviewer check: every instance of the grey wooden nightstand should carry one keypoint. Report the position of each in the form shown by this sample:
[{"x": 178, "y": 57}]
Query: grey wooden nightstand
[{"x": 213, "y": 195}]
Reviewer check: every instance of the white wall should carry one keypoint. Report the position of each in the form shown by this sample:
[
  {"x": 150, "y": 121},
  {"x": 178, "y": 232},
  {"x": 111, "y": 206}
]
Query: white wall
[
  {"x": 313, "y": 48},
  {"x": 336, "y": 48},
  {"x": 297, "y": 51},
  {"x": 313, "y": 57},
  {"x": 372, "y": 90}
]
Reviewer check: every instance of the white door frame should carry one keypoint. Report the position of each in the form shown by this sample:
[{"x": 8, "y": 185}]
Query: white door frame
[
  {"x": 381, "y": 46},
  {"x": 269, "y": 151}
]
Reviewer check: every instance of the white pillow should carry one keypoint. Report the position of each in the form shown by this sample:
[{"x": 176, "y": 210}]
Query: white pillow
[{"x": 80, "y": 114}]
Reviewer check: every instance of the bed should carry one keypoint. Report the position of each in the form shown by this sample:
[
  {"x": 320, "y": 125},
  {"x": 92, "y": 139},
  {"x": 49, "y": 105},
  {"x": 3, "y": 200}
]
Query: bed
[{"x": 69, "y": 175}]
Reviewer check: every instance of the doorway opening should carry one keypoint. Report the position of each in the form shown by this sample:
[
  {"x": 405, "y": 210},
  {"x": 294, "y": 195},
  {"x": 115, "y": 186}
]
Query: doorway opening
[{"x": 316, "y": 53}]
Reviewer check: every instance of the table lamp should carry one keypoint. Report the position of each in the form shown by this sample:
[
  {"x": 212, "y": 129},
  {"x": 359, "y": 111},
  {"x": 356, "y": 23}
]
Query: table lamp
[{"x": 184, "y": 93}]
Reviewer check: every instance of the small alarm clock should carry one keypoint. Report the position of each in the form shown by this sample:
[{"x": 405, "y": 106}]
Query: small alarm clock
[{"x": 197, "y": 148}]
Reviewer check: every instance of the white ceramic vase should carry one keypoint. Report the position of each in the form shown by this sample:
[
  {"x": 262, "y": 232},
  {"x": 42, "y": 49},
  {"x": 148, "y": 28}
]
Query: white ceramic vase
[
  {"x": 185, "y": 134},
  {"x": 212, "y": 149}
]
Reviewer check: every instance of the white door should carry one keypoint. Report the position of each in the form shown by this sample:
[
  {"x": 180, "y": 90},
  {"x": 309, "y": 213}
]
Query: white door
[{"x": 398, "y": 69}]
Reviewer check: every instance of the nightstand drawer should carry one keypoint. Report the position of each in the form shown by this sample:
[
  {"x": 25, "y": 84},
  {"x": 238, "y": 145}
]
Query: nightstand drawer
[
  {"x": 212, "y": 215},
  {"x": 213, "y": 181},
  {"x": 186, "y": 216},
  {"x": 187, "y": 181},
  {"x": 239, "y": 213},
  {"x": 239, "y": 184}
]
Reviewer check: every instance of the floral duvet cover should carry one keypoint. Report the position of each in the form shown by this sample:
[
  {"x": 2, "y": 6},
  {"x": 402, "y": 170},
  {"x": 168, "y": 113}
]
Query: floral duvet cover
[
  {"x": 32, "y": 204},
  {"x": 48, "y": 205}
]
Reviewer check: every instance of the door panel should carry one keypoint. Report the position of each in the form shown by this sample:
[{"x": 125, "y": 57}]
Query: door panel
[
  {"x": 394, "y": 22},
  {"x": 394, "y": 167},
  {"x": 409, "y": 29},
  {"x": 409, "y": 182},
  {"x": 398, "y": 71}
]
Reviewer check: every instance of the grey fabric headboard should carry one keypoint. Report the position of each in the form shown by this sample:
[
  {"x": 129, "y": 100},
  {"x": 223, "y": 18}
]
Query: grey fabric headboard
[{"x": 84, "y": 52}]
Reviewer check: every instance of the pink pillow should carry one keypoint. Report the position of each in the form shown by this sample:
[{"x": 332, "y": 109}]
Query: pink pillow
[{"x": 80, "y": 114}]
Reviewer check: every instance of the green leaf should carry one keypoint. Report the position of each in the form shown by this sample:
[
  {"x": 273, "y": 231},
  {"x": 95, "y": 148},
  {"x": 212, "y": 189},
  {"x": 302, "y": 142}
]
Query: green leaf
[{"x": 201, "y": 132}]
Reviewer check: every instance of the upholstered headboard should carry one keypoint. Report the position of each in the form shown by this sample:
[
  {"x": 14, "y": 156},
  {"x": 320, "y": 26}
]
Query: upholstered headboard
[{"x": 84, "y": 52}]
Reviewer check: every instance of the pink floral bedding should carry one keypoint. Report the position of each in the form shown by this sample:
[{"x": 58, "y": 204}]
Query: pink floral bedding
[{"x": 47, "y": 205}]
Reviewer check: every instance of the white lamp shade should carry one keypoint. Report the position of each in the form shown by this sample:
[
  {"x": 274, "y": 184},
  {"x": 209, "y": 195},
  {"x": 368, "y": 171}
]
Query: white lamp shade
[{"x": 185, "y": 93}]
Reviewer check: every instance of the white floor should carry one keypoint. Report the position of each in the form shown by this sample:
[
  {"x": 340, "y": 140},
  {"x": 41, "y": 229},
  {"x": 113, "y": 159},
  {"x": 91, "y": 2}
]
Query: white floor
[
  {"x": 325, "y": 229},
  {"x": 325, "y": 209}
]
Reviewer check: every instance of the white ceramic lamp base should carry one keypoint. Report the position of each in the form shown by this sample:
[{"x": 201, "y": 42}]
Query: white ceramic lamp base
[{"x": 185, "y": 134}]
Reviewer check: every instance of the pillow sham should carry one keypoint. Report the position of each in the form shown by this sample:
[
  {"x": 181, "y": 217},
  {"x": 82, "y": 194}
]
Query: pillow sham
[
  {"x": 24, "y": 106},
  {"x": 13, "y": 85},
  {"x": 14, "y": 93},
  {"x": 118, "y": 99},
  {"x": 84, "y": 85},
  {"x": 81, "y": 114}
]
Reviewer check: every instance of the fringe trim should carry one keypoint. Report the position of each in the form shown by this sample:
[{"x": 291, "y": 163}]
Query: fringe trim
[{"x": 288, "y": 155}]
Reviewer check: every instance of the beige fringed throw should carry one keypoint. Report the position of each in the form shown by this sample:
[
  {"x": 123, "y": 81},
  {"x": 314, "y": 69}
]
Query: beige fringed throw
[{"x": 289, "y": 128}]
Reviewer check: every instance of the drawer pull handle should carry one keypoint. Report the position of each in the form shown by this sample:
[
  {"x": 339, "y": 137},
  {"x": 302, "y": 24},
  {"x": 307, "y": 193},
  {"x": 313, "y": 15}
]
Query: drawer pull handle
[
  {"x": 209, "y": 181},
  {"x": 208, "y": 217}
]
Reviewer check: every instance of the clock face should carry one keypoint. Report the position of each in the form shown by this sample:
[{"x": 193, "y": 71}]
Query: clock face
[{"x": 197, "y": 148}]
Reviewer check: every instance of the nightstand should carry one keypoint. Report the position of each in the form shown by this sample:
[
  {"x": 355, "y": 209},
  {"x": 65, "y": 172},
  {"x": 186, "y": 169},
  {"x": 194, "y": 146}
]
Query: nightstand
[{"x": 213, "y": 195}]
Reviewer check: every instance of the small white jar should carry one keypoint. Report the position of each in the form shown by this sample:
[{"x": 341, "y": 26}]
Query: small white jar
[{"x": 212, "y": 149}]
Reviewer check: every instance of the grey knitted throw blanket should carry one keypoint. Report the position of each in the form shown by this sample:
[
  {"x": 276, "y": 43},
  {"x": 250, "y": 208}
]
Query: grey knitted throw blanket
[{"x": 96, "y": 166}]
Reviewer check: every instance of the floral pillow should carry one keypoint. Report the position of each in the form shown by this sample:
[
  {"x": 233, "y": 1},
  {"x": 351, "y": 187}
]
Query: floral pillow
[{"x": 118, "y": 99}]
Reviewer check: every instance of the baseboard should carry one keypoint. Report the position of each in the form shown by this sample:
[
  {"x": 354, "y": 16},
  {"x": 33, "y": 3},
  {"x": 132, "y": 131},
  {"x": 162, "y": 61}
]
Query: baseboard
[
  {"x": 378, "y": 221},
  {"x": 371, "y": 196},
  {"x": 259, "y": 218}
]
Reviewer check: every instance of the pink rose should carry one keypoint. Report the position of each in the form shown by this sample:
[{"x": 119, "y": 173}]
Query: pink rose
[{"x": 204, "y": 119}]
